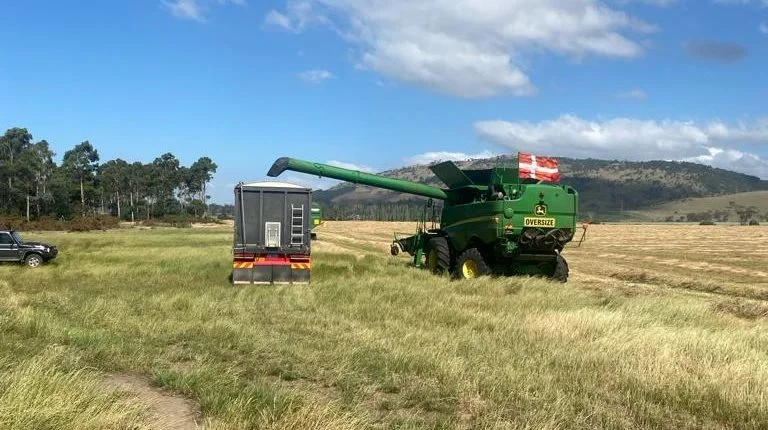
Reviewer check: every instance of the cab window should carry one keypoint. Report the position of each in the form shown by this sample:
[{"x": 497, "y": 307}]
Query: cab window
[{"x": 5, "y": 239}]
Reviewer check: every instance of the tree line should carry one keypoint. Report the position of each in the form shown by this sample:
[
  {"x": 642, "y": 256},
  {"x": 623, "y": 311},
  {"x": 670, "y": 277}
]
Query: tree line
[
  {"x": 33, "y": 185},
  {"x": 744, "y": 214},
  {"x": 377, "y": 211}
]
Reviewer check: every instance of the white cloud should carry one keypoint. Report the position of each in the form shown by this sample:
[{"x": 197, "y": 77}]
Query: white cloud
[
  {"x": 733, "y": 159},
  {"x": 763, "y": 28},
  {"x": 352, "y": 166},
  {"x": 467, "y": 48},
  {"x": 278, "y": 19},
  {"x": 713, "y": 143},
  {"x": 186, "y": 9},
  {"x": 737, "y": 2},
  {"x": 762, "y": 3},
  {"x": 662, "y": 3},
  {"x": 633, "y": 94},
  {"x": 430, "y": 157},
  {"x": 195, "y": 9},
  {"x": 309, "y": 181},
  {"x": 315, "y": 76},
  {"x": 299, "y": 15}
]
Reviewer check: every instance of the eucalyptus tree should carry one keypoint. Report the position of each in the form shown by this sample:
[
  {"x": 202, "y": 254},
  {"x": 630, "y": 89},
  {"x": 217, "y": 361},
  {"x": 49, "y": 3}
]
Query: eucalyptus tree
[{"x": 81, "y": 163}]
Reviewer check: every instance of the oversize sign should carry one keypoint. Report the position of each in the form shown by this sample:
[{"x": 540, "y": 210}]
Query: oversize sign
[{"x": 539, "y": 222}]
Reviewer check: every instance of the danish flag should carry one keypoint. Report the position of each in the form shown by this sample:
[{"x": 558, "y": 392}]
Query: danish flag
[{"x": 533, "y": 167}]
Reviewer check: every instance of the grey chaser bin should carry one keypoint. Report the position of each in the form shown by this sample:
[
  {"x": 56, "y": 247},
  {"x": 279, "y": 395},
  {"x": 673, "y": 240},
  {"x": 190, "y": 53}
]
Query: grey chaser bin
[{"x": 272, "y": 233}]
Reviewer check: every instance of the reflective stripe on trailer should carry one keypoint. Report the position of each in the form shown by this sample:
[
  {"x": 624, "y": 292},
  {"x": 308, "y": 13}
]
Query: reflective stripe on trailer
[
  {"x": 242, "y": 265},
  {"x": 303, "y": 263}
]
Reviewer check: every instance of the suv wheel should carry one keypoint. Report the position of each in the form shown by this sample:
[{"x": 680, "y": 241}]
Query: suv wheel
[{"x": 33, "y": 260}]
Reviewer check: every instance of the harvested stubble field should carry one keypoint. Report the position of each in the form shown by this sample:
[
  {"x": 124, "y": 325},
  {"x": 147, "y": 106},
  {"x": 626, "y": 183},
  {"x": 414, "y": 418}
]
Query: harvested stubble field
[{"x": 659, "y": 327}]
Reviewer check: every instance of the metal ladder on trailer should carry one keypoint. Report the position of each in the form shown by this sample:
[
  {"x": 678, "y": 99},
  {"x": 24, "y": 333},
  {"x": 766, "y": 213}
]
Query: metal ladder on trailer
[{"x": 297, "y": 225}]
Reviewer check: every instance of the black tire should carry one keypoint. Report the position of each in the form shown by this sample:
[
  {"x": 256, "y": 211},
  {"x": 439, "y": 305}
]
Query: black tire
[
  {"x": 438, "y": 256},
  {"x": 561, "y": 269},
  {"x": 33, "y": 260},
  {"x": 471, "y": 264}
]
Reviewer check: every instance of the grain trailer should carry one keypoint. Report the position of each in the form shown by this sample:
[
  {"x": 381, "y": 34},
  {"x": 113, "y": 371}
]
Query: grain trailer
[{"x": 272, "y": 233}]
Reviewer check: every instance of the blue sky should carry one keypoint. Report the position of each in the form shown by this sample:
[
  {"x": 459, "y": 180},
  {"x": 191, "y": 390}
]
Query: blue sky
[{"x": 378, "y": 84}]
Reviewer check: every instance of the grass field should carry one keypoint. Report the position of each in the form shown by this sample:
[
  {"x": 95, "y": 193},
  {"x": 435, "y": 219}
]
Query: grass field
[{"x": 659, "y": 327}]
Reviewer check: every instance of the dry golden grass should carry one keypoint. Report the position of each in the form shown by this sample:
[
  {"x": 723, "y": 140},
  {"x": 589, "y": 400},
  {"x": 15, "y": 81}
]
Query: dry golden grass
[
  {"x": 659, "y": 327},
  {"x": 720, "y": 260}
]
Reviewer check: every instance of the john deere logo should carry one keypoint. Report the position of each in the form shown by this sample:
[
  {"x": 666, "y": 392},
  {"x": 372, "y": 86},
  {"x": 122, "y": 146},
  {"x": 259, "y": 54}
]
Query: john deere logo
[{"x": 540, "y": 210}]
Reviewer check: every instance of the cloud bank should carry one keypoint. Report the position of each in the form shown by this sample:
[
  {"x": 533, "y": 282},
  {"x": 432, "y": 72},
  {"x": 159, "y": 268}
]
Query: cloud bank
[
  {"x": 714, "y": 143},
  {"x": 352, "y": 166},
  {"x": 430, "y": 157},
  {"x": 467, "y": 48}
]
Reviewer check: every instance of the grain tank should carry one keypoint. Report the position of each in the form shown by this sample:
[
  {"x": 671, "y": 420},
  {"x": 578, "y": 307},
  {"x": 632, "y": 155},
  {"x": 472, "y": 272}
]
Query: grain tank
[
  {"x": 272, "y": 233},
  {"x": 492, "y": 221}
]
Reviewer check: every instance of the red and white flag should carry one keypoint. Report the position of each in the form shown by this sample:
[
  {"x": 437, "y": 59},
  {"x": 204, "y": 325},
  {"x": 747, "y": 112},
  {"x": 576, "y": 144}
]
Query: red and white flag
[{"x": 541, "y": 168}]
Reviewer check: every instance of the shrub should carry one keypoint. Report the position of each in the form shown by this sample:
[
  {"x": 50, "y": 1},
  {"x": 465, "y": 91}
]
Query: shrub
[
  {"x": 707, "y": 223},
  {"x": 52, "y": 224},
  {"x": 93, "y": 223},
  {"x": 178, "y": 221}
]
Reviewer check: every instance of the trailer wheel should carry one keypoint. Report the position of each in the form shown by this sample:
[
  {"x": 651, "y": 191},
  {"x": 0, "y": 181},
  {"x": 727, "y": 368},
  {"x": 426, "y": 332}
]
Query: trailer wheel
[
  {"x": 561, "y": 269},
  {"x": 471, "y": 264},
  {"x": 439, "y": 256}
]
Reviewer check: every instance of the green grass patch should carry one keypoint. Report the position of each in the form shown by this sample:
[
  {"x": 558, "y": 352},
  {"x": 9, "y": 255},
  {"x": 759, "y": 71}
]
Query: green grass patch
[{"x": 371, "y": 343}]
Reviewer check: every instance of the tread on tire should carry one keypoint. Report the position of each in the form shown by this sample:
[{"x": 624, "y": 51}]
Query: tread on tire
[
  {"x": 480, "y": 267},
  {"x": 442, "y": 263}
]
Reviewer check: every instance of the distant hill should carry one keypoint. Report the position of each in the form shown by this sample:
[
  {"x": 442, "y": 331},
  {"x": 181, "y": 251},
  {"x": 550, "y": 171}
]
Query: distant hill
[
  {"x": 608, "y": 189},
  {"x": 718, "y": 208}
]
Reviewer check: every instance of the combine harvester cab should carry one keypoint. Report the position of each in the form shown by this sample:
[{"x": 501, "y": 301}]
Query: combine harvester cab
[
  {"x": 493, "y": 221},
  {"x": 272, "y": 233}
]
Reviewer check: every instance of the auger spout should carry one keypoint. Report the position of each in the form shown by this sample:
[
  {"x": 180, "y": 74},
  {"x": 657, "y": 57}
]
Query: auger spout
[{"x": 355, "y": 176}]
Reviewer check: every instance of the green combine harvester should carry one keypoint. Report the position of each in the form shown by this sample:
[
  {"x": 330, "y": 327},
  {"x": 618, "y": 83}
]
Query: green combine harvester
[{"x": 492, "y": 221}]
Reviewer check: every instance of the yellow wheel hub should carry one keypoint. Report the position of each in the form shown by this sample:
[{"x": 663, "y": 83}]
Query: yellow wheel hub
[
  {"x": 432, "y": 259},
  {"x": 469, "y": 269}
]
